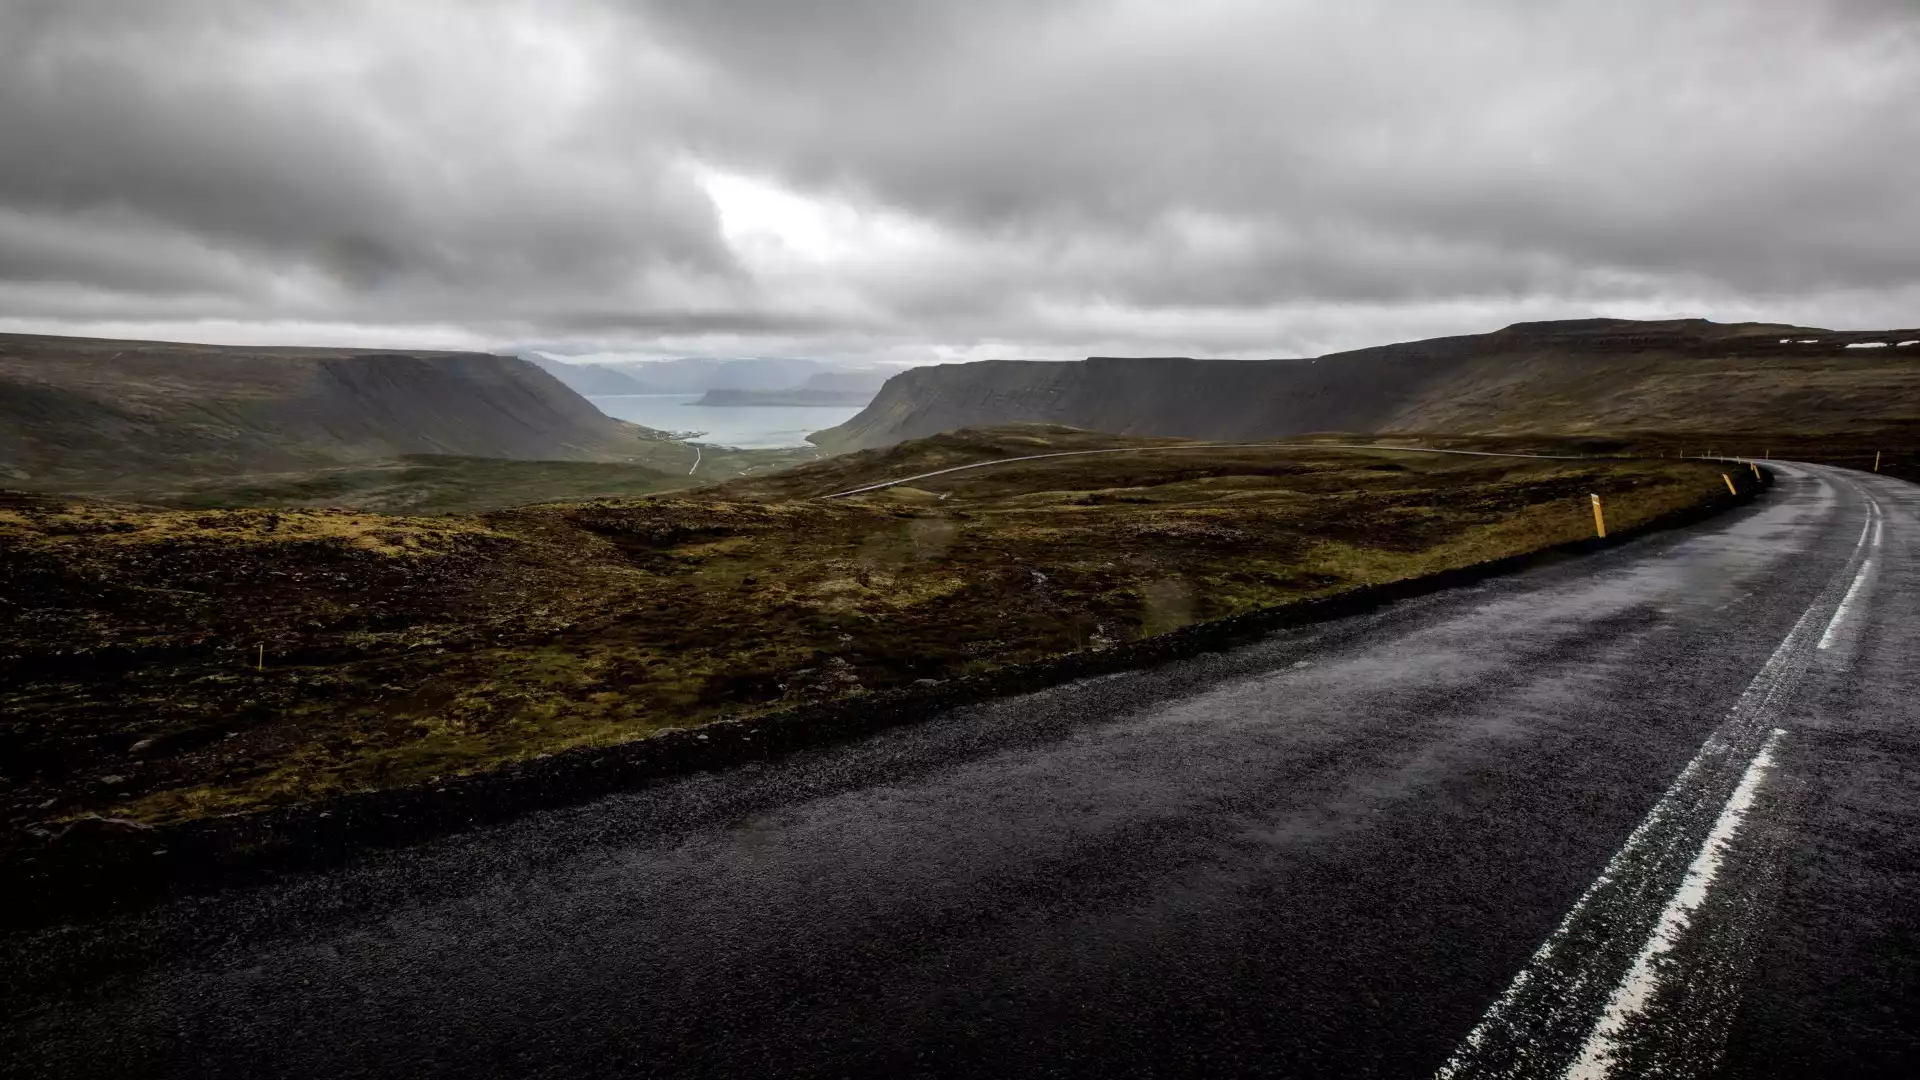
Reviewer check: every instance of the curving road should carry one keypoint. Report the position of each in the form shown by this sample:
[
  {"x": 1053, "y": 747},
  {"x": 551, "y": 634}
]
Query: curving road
[{"x": 1653, "y": 811}]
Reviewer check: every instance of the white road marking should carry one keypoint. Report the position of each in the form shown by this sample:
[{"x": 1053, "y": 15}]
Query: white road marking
[
  {"x": 1596, "y": 1059},
  {"x": 1846, "y": 604},
  {"x": 1566, "y": 995},
  {"x": 1871, "y": 525},
  {"x": 696, "y": 459},
  {"x": 1757, "y": 703}
]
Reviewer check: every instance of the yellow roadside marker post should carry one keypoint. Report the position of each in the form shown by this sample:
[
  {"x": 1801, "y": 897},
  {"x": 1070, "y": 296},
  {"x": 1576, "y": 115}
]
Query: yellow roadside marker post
[
  {"x": 1756, "y": 470},
  {"x": 1876, "y": 461},
  {"x": 260, "y": 664},
  {"x": 1729, "y": 481},
  {"x": 1599, "y": 519}
]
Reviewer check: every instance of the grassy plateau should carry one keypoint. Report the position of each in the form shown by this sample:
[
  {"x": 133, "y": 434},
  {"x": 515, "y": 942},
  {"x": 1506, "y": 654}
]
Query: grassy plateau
[{"x": 165, "y": 664}]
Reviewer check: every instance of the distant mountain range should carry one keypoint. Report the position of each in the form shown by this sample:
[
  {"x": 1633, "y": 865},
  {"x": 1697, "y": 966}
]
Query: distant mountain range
[
  {"x": 1569, "y": 377},
  {"x": 80, "y": 410},
  {"x": 589, "y": 379},
  {"x": 800, "y": 395},
  {"x": 700, "y": 374},
  {"x": 76, "y": 413}
]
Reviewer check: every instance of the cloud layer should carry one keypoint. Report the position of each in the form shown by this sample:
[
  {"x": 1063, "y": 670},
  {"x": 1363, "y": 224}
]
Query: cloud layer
[{"x": 920, "y": 178}]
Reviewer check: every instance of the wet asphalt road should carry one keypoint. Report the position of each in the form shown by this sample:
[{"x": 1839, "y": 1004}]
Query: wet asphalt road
[{"x": 1654, "y": 811}]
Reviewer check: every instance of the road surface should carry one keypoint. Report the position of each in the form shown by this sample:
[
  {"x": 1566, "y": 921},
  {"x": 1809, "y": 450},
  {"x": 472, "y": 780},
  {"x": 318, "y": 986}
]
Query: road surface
[{"x": 1652, "y": 811}]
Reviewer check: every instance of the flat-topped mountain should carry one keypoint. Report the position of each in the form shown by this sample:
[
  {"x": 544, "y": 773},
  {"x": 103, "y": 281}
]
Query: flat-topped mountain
[
  {"x": 1570, "y": 377},
  {"x": 75, "y": 409}
]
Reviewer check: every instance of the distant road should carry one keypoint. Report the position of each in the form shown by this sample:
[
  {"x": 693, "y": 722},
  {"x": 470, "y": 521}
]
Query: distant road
[
  {"x": 1653, "y": 811},
  {"x": 1192, "y": 446}
]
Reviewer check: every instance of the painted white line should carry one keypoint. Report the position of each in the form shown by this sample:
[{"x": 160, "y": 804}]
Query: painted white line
[
  {"x": 1757, "y": 702},
  {"x": 1609, "y": 958},
  {"x": 1597, "y": 1058},
  {"x": 696, "y": 459},
  {"x": 1846, "y": 604},
  {"x": 1876, "y": 534}
]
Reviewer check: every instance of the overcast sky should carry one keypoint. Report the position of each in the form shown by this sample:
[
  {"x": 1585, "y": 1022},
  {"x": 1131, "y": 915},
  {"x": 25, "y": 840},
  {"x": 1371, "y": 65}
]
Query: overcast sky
[{"x": 920, "y": 179}]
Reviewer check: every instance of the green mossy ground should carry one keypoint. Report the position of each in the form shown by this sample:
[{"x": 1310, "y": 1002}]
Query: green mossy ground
[
  {"x": 440, "y": 484},
  {"x": 401, "y": 649}
]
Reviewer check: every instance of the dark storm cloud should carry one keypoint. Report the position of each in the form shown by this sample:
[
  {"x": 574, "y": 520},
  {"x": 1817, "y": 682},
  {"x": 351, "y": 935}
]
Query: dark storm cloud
[
  {"x": 598, "y": 324},
  {"x": 342, "y": 154},
  {"x": 1769, "y": 145},
  {"x": 1224, "y": 175}
]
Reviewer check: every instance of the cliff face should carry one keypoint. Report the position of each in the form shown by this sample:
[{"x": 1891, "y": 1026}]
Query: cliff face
[
  {"x": 73, "y": 408},
  {"x": 1590, "y": 375},
  {"x": 1171, "y": 396}
]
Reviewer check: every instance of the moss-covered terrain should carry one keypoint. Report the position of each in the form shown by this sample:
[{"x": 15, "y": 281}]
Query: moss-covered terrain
[
  {"x": 168, "y": 664},
  {"x": 1892, "y": 449},
  {"x": 444, "y": 484}
]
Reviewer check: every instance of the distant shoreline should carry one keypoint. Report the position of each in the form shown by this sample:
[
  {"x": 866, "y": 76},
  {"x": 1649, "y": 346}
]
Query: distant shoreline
[
  {"x": 800, "y": 397},
  {"x": 742, "y": 427},
  {"x": 701, "y": 401}
]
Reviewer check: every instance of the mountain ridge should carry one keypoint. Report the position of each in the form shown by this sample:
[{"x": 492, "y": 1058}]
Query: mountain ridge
[
  {"x": 1571, "y": 377},
  {"x": 73, "y": 409}
]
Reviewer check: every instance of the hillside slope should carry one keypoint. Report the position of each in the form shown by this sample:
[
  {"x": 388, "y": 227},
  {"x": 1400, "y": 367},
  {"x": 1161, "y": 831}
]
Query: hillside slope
[
  {"x": 1579, "y": 376},
  {"x": 75, "y": 409}
]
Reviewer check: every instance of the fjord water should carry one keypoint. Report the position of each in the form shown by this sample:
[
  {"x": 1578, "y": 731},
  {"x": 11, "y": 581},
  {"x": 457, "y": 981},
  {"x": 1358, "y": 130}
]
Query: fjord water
[{"x": 747, "y": 426}]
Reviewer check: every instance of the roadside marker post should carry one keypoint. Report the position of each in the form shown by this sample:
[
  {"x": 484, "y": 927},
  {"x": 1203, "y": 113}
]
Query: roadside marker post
[
  {"x": 1756, "y": 470},
  {"x": 1876, "y": 461},
  {"x": 260, "y": 664},
  {"x": 1729, "y": 481},
  {"x": 1599, "y": 519}
]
